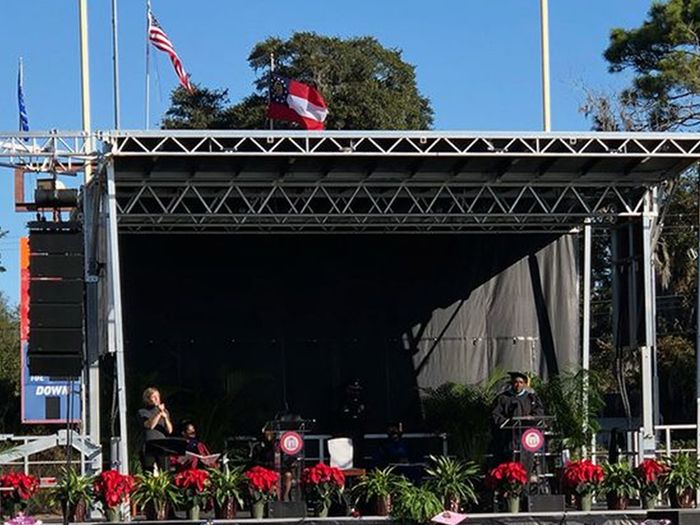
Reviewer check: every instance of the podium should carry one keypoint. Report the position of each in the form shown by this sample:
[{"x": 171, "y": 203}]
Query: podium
[
  {"x": 289, "y": 456},
  {"x": 529, "y": 445}
]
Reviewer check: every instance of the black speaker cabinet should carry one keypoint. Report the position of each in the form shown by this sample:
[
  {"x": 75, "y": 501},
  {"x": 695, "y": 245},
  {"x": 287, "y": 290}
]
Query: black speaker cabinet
[
  {"x": 545, "y": 503},
  {"x": 286, "y": 509},
  {"x": 55, "y": 292},
  {"x": 56, "y": 316},
  {"x": 56, "y": 365},
  {"x": 55, "y": 341}
]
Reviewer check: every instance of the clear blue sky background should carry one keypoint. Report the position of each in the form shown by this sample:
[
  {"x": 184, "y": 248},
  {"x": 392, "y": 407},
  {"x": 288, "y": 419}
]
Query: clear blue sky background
[{"x": 477, "y": 61}]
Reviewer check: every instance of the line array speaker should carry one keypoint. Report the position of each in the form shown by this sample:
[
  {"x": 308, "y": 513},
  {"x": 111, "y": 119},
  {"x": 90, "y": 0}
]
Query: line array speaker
[{"x": 56, "y": 299}]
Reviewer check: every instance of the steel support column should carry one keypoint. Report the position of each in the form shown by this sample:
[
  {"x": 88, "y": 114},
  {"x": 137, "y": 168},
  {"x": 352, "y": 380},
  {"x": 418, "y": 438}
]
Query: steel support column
[
  {"x": 648, "y": 441},
  {"x": 114, "y": 315},
  {"x": 92, "y": 351},
  {"x": 586, "y": 331}
]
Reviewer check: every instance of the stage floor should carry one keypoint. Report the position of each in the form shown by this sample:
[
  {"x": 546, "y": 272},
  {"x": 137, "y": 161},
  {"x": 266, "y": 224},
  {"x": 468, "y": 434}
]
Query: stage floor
[{"x": 602, "y": 517}]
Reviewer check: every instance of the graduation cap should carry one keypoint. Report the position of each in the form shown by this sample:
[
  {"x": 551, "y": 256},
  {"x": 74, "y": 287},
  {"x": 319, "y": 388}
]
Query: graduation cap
[{"x": 518, "y": 375}]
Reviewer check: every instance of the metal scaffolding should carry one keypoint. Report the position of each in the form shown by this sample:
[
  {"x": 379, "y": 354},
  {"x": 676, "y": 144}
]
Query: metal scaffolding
[{"x": 418, "y": 182}]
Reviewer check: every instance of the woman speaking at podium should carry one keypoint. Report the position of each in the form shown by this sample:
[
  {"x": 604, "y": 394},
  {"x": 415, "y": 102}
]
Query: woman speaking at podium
[{"x": 154, "y": 418}]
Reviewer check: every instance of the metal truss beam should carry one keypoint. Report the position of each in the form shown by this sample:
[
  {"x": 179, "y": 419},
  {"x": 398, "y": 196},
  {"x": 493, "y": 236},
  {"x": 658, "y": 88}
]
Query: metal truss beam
[
  {"x": 55, "y": 152},
  {"x": 396, "y": 143},
  {"x": 280, "y": 206}
]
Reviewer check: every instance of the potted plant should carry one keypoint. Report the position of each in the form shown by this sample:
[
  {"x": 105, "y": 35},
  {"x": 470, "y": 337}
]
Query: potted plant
[
  {"x": 321, "y": 484},
  {"x": 650, "y": 476},
  {"x": 682, "y": 480},
  {"x": 155, "y": 493},
  {"x": 508, "y": 481},
  {"x": 619, "y": 484},
  {"x": 262, "y": 487},
  {"x": 22, "y": 487},
  {"x": 415, "y": 504},
  {"x": 112, "y": 488},
  {"x": 193, "y": 484},
  {"x": 73, "y": 492},
  {"x": 378, "y": 485},
  {"x": 583, "y": 478},
  {"x": 225, "y": 486},
  {"x": 452, "y": 480}
]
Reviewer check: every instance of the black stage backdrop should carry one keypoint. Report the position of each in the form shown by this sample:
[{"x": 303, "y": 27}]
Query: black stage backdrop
[{"x": 235, "y": 328}]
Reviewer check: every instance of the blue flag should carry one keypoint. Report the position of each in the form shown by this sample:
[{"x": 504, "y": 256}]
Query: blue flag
[{"x": 23, "y": 117}]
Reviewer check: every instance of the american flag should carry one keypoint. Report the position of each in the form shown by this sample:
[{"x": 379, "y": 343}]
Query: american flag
[{"x": 158, "y": 37}]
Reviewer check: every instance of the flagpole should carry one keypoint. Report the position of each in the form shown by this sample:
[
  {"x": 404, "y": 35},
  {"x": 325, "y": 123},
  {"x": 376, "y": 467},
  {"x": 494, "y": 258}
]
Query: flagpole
[
  {"x": 544, "y": 28},
  {"x": 115, "y": 63},
  {"x": 269, "y": 86},
  {"x": 85, "y": 82},
  {"x": 148, "y": 63}
]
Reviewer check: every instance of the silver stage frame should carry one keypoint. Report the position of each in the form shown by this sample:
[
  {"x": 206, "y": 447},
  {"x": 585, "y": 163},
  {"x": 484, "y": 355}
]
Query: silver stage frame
[{"x": 396, "y": 182}]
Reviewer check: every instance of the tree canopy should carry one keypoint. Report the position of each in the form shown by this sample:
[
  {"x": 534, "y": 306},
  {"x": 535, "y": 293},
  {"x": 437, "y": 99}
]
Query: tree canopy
[
  {"x": 663, "y": 57},
  {"x": 663, "y": 54},
  {"x": 364, "y": 84}
]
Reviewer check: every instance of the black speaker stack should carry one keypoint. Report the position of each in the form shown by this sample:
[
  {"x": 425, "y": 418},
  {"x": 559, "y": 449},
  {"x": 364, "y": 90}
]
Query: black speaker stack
[{"x": 56, "y": 299}]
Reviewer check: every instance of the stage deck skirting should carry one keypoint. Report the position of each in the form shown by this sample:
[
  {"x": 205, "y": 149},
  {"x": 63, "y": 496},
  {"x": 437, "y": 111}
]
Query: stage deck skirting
[{"x": 623, "y": 517}]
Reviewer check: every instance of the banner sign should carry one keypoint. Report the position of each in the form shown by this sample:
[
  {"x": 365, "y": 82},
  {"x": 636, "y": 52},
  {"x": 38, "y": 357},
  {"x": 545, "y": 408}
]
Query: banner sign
[{"x": 44, "y": 400}]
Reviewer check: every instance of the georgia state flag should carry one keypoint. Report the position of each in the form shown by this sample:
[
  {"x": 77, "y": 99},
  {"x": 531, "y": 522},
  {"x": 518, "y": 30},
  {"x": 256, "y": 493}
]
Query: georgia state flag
[{"x": 296, "y": 102}]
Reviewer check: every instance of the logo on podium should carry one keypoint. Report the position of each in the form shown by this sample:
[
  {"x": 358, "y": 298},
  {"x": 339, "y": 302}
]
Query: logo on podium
[
  {"x": 532, "y": 440},
  {"x": 291, "y": 443}
]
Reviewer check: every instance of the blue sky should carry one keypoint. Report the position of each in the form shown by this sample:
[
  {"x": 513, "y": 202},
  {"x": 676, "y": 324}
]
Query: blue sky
[{"x": 477, "y": 61}]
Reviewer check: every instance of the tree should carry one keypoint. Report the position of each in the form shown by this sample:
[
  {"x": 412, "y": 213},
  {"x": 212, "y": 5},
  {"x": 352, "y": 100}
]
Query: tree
[
  {"x": 663, "y": 55},
  {"x": 365, "y": 85},
  {"x": 9, "y": 366}
]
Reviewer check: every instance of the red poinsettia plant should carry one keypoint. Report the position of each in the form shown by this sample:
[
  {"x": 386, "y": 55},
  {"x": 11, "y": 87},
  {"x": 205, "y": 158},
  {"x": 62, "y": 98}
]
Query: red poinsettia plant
[
  {"x": 650, "y": 474},
  {"x": 23, "y": 486},
  {"x": 583, "y": 477},
  {"x": 262, "y": 483},
  {"x": 322, "y": 482},
  {"x": 507, "y": 479},
  {"x": 112, "y": 488},
  {"x": 193, "y": 484}
]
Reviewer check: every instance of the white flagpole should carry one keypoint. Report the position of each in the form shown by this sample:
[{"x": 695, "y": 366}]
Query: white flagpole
[
  {"x": 85, "y": 79},
  {"x": 115, "y": 63},
  {"x": 544, "y": 27},
  {"x": 148, "y": 63}
]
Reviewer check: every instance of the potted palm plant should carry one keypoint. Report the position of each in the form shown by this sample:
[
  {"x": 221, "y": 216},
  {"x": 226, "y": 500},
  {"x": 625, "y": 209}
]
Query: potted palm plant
[
  {"x": 682, "y": 480},
  {"x": 416, "y": 505},
  {"x": 619, "y": 485},
  {"x": 73, "y": 492},
  {"x": 378, "y": 485},
  {"x": 452, "y": 480},
  {"x": 155, "y": 493},
  {"x": 226, "y": 487}
]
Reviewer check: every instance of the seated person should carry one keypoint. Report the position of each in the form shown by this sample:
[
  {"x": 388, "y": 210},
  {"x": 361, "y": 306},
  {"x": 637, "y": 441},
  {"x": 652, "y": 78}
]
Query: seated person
[
  {"x": 195, "y": 446},
  {"x": 263, "y": 454},
  {"x": 393, "y": 449}
]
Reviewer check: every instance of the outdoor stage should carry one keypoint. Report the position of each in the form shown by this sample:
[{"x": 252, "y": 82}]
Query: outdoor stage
[{"x": 389, "y": 184}]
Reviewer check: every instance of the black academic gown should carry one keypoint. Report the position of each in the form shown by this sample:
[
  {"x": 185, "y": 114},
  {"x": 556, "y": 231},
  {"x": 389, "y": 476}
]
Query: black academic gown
[{"x": 509, "y": 405}]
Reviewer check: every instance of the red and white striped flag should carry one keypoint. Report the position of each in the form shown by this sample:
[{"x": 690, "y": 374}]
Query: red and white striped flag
[{"x": 158, "y": 37}]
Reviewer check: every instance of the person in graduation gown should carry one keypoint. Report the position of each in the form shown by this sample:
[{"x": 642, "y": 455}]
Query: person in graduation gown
[{"x": 517, "y": 401}]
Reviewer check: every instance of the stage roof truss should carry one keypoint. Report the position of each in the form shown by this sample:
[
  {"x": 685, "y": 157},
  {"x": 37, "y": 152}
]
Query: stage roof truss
[{"x": 364, "y": 181}]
